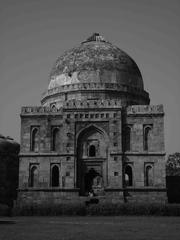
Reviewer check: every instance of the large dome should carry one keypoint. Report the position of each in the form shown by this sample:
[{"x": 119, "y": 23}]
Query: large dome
[{"x": 95, "y": 69}]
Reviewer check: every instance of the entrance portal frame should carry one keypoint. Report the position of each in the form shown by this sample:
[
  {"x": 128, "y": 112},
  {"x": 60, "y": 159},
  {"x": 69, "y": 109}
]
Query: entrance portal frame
[{"x": 82, "y": 163}]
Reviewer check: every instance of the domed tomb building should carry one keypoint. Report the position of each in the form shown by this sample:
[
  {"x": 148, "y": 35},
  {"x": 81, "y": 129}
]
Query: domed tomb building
[{"x": 94, "y": 131}]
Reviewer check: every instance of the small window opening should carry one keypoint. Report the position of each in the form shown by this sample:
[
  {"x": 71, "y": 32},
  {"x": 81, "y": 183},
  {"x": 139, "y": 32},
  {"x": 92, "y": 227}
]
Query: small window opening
[{"x": 92, "y": 151}]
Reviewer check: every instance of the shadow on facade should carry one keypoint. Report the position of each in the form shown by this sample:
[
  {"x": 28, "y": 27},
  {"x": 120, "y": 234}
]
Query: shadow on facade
[
  {"x": 9, "y": 167},
  {"x": 173, "y": 189}
]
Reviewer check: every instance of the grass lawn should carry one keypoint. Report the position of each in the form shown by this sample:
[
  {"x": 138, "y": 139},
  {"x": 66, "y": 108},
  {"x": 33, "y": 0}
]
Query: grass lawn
[{"x": 85, "y": 228}]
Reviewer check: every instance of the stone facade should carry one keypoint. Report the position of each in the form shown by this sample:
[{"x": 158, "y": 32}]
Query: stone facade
[{"x": 95, "y": 132}]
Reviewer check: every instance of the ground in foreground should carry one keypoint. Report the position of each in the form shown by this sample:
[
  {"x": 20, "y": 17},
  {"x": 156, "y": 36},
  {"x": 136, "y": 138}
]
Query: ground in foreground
[{"x": 106, "y": 228}]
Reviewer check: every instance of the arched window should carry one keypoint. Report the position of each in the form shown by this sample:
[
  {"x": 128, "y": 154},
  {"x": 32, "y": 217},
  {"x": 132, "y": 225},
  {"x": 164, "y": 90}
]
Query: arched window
[
  {"x": 35, "y": 140},
  {"x": 92, "y": 151},
  {"x": 128, "y": 176},
  {"x": 55, "y": 176},
  {"x": 128, "y": 139},
  {"x": 149, "y": 176},
  {"x": 147, "y": 132},
  {"x": 55, "y": 139},
  {"x": 33, "y": 176}
]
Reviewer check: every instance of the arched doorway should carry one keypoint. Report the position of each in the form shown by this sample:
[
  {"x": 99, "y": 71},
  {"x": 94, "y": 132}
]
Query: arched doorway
[
  {"x": 128, "y": 176},
  {"x": 55, "y": 176},
  {"x": 91, "y": 159}
]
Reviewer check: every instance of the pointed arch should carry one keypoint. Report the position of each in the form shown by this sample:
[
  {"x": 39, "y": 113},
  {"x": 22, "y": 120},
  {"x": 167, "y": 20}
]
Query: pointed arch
[
  {"x": 55, "y": 176},
  {"x": 55, "y": 139},
  {"x": 35, "y": 139},
  {"x": 33, "y": 176},
  {"x": 92, "y": 127},
  {"x": 84, "y": 146},
  {"x": 147, "y": 133}
]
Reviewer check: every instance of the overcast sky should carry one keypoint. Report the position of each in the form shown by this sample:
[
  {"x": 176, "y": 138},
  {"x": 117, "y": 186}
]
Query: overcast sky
[{"x": 35, "y": 32}]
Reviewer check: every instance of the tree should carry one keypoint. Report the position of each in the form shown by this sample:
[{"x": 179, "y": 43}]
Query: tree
[{"x": 173, "y": 165}]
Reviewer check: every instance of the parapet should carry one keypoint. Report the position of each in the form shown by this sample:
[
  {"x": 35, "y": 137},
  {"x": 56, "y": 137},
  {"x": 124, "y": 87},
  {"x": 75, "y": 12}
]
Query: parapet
[
  {"x": 79, "y": 104},
  {"x": 38, "y": 110},
  {"x": 145, "y": 109}
]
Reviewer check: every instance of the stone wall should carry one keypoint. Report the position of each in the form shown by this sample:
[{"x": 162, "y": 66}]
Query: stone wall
[{"x": 107, "y": 117}]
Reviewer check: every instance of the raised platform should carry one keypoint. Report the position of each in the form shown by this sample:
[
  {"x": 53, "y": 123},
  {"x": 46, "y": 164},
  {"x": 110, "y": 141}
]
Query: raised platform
[{"x": 65, "y": 196}]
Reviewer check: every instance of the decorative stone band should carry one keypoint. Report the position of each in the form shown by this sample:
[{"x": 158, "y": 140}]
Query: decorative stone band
[
  {"x": 72, "y": 104},
  {"x": 49, "y": 154},
  {"x": 114, "y": 103},
  {"x": 52, "y": 189},
  {"x": 40, "y": 110},
  {"x": 144, "y": 153},
  {"x": 145, "y": 109},
  {"x": 93, "y": 86},
  {"x": 40, "y": 154},
  {"x": 130, "y": 189},
  {"x": 93, "y": 104}
]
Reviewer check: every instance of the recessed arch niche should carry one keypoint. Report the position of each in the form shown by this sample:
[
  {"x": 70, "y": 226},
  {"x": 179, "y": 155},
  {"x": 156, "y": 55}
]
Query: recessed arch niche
[{"x": 92, "y": 154}]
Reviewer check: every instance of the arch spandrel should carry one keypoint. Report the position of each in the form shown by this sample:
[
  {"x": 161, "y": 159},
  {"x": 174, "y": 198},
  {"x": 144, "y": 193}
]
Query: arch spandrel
[
  {"x": 89, "y": 127},
  {"x": 92, "y": 136}
]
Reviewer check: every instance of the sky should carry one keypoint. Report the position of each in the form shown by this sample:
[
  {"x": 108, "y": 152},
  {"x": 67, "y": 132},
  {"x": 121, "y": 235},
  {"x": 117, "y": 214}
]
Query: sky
[{"x": 35, "y": 33}]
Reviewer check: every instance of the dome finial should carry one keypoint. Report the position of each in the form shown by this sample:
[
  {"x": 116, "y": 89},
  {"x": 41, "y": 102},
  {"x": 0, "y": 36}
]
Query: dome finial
[{"x": 95, "y": 37}]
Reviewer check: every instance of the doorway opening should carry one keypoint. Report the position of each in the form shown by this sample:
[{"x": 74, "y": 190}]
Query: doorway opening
[{"x": 88, "y": 179}]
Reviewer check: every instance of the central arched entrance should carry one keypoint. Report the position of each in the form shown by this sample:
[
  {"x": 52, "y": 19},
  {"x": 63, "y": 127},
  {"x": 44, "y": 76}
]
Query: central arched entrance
[{"x": 91, "y": 160}]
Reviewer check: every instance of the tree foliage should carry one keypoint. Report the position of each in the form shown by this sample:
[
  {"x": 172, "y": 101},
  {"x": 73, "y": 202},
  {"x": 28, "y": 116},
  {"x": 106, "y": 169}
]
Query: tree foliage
[{"x": 173, "y": 165}]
